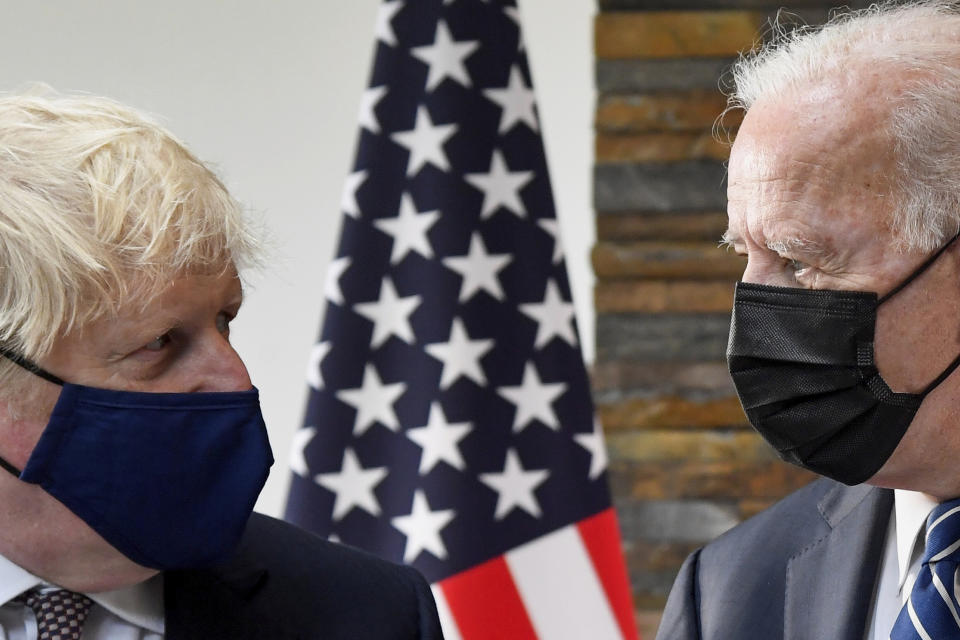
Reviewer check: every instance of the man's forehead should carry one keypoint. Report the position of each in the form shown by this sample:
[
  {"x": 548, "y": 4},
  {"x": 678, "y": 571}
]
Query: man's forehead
[
  {"x": 151, "y": 299},
  {"x": 809, "y": 194},
  {"x": 831, "y": 119}
]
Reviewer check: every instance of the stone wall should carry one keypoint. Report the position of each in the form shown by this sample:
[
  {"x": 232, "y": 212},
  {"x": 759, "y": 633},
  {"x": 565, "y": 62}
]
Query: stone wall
[{"x": 685, "y": 466}]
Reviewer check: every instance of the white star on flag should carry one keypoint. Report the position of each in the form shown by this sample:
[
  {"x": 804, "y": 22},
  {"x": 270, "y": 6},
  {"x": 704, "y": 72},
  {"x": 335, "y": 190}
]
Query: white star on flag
[
  {"x": 373, "y": 401},
  {"x": 514, "y": 14},
  {"x": 425, "y": 142},
  {"x": 479, "y": 269},
  {"x": 550, "y": 226},
  {"x": 298, "y": 462},
  {"x": 456, "y": 363},
  {"x": 500, "y": 187},
  {"x": 422, "y": 528},
  {"x": 317, "y": 354},
  {"x": 439, "y": 440},
  {"x": 353, "y": 486},
  {"x": 390, "y": 314},
  {"x": 533, "y": 399},
  {"x": 348, "y": 199},
  {"x": 593, "y": 442},
  {"x": 409, "y": 230},
  {"x": 516, "y": 100},
  {"x": 331, "y": 286},
  {"x": 554, "y": 317},
  {"x": 445, "y": 57},
  {"x": 514, "y": 486},
  {"x": 460, "y": 356},
  {"x": 384, "y": 27},
  {"x": 368, "y": 102}
]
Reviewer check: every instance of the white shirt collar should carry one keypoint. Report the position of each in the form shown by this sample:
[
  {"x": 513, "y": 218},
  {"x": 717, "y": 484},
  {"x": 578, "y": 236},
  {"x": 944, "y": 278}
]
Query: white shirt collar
[
  {"x": 140, "y": 604},
  {"x": 14, "y": 580},
  {"x": 912, "y": 509}
]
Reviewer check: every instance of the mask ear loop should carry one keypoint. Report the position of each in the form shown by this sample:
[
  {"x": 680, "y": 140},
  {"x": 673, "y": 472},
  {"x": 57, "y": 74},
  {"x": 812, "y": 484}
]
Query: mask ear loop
[
  {"x": 918, "y": 271},
  {"x": 940, "y": 378},
  {"x": 913, "y": 276},
  {"x": 9, "y": 468},
  {"x": 33, "y": 368},
  {"x": 30, "y": 366}
]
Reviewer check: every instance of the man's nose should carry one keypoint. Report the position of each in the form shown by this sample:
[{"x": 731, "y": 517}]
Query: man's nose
[
  {"x": 760, "y": 270},
  {"x": 751, "y": 272},
  {"x": 223, "y": 369}
]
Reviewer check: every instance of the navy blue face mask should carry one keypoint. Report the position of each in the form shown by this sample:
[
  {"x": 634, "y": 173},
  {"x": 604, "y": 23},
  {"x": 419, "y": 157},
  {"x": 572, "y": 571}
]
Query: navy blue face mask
[{"x": 168, "y": 479}]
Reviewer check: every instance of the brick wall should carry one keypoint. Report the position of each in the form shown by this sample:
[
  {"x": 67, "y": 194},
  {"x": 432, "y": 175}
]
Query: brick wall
[{"x": 685, "y": 466}]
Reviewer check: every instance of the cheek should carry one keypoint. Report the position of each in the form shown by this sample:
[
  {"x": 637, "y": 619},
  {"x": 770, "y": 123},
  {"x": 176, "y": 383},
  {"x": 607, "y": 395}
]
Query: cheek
[
  {"x": 917, "y": 337},
  {"x": 24, "y": 421}
]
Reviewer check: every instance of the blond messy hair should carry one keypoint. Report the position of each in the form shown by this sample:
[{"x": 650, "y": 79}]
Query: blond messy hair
[{"x": 100, "y": 206}]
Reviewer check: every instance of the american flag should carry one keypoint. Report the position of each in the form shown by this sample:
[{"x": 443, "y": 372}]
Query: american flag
[{"x": 449, "y": 424}]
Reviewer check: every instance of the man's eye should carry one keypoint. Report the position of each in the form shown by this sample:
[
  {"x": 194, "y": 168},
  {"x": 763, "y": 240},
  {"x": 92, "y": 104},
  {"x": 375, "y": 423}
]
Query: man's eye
[
  {"x": 223, "y": 322},
  {"x": 158, "y": 343},
  {"x": 796, "y": 265}
]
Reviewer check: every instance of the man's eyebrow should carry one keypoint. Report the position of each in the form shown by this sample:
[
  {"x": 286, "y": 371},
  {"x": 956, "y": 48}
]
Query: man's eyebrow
[{"x": 799, "y": 245}]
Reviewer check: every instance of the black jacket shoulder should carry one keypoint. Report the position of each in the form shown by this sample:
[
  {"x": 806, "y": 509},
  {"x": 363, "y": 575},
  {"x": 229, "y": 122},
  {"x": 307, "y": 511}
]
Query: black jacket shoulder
[{"x": 287, "y": 583}]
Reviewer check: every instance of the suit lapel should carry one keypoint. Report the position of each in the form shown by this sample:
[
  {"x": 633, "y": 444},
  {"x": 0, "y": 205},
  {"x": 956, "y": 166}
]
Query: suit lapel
[{"x": 830, "y": 583}]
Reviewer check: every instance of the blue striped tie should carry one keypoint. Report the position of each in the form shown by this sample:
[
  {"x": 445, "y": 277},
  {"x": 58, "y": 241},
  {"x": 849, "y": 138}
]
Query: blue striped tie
[{"x": 932, "y": 611}]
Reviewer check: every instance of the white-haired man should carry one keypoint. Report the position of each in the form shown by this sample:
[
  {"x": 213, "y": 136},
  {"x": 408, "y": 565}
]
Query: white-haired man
[
  {"x": 131, "y": 439},
  {"x": 844, "y": 194}
]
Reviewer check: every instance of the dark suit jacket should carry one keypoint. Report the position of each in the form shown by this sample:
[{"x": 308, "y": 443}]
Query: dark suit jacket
[
  {"x": 805, "y": 569},
  {"x": 285, "y": 583}
]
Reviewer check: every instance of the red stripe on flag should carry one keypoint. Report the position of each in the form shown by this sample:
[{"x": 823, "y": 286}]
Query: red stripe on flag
[
  {"x": 601, "y": 537},
  {"x": 485, "y": 603}
]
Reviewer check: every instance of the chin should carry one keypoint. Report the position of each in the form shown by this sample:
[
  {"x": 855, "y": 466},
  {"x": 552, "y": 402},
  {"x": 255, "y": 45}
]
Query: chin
[
  {"x": 885, "y": 482},
  {"x": 894, "y": 475},
  {"x": 88, "y": 564}
]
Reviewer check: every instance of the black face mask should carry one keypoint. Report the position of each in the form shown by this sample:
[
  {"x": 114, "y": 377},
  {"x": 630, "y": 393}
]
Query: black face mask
[{"x": 802, "y": 363}]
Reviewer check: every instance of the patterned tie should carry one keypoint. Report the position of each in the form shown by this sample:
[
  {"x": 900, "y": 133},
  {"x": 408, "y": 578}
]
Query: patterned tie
[
  {"x": 60, "y": 613},
  {"x": 931, "y": 612}
]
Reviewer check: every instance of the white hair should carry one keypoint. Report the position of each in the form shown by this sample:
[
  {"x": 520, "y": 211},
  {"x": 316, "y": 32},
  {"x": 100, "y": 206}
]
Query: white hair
[{"x": 919, "y": 42}]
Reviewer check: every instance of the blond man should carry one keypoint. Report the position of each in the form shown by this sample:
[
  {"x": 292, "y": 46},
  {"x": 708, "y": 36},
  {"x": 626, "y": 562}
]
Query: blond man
[{"x": 131, "y": 437}]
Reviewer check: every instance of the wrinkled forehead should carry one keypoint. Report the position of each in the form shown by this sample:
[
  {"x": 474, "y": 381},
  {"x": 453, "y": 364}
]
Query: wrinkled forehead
[{"x": 816, "y": 158}]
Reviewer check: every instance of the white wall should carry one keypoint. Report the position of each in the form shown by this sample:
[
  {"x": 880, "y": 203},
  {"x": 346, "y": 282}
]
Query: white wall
[{"x": 268, "y": 92}]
